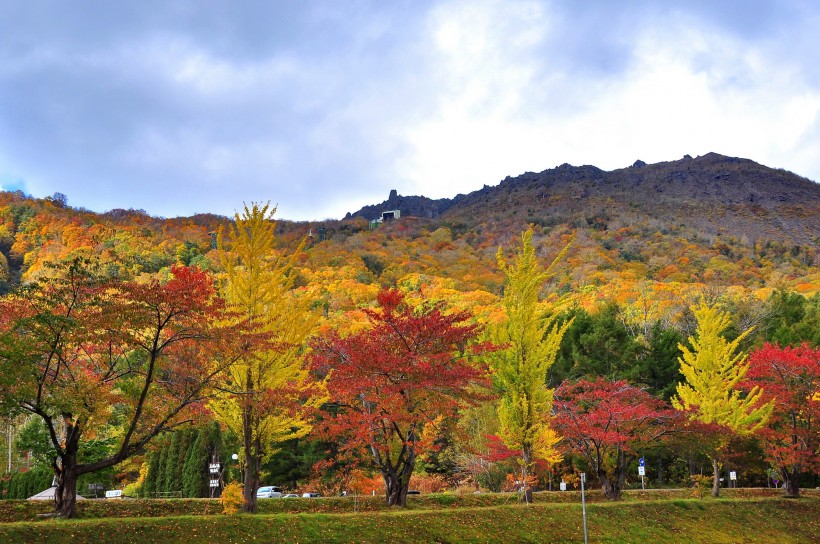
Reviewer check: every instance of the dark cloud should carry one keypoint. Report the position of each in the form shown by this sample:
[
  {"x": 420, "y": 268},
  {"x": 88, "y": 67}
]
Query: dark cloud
[{"x": 184, "y": 107}]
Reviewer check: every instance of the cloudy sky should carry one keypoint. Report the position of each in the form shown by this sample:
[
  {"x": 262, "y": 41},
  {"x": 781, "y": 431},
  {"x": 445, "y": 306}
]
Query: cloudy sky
[{"x": 181, "y": 107}]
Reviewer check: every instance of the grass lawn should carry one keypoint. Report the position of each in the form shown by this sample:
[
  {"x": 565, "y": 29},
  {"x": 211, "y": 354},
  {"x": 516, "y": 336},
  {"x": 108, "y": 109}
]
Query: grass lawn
[{"x": 657, "y": 521}]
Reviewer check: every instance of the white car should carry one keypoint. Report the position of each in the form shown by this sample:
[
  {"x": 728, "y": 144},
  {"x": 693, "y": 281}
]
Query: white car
[{"x": 269, "y": 492}]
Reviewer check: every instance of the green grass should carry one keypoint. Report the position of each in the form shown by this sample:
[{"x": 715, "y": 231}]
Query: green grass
[
  {"x": 29, "y": 510},
  {"x": 654, "y": 521}
]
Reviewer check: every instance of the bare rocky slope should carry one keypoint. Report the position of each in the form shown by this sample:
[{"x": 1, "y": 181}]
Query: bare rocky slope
[{"x": 714, "y": 194}]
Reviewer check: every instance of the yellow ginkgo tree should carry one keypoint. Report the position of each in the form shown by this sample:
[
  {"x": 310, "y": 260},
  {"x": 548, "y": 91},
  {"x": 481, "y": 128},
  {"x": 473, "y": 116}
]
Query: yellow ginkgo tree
[
  {"x": 712, "y": 369},
  {"x": 530, "y": 340},
  {"x": 261, "y": 395}
]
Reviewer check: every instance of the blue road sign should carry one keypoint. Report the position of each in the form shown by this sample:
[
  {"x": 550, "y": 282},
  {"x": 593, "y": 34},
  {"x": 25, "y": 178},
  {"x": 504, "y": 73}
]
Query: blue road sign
[{"x": 641, "y": 462}]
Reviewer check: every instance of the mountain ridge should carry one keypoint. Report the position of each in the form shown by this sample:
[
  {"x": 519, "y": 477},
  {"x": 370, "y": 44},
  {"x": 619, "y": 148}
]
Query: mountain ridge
[{"x": 716, "y": 193}]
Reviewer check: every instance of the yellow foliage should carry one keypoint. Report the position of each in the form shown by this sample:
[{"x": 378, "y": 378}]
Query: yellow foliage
[
  {"x": 531, "y": 340},
  {"x": 232, "y": 498},
  {"x": 258, "y": 286},
  {"x": 712, "y": 369}
]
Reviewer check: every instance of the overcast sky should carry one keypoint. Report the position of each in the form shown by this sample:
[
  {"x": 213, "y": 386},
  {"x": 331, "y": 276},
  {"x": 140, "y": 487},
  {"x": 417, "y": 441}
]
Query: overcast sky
[{"x": 182, "y": 107}]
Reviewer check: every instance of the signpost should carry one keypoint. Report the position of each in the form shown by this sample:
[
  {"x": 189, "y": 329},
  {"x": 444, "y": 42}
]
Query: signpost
[
  {"x": 584, "y": 506},
  {"x": 733, "y": 478},
  {"x": 642, "y": 471},
  {"x": 563, "y": 486},
  {"x": 215, "y": 468},
  {"x": 113, "y": 494},
  {"x": 95, "y": 487}
]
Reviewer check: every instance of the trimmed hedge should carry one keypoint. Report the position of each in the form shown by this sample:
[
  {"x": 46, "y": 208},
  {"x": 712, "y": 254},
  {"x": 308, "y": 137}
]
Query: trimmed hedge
[
  {"x": 22, "y": 485},
  {"x": 12, "y": 511}
]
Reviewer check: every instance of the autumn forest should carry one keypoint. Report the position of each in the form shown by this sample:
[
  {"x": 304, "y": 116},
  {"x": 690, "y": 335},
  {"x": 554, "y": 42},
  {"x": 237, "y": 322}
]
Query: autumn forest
[{"x": 571, "y": 321}]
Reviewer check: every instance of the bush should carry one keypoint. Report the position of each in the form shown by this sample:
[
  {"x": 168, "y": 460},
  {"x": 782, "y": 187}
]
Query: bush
[
  {"x": 232, "y": 498},
  {"x": 702, "y": 484},
  {"x": 132, "y": 490}
]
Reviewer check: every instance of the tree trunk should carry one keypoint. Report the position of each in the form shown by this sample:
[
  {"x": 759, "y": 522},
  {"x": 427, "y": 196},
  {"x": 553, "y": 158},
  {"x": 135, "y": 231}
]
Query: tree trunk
[
  {"x": 715, "y": 478},
  {"x": 791, "y": 482},
  {"x": 397, "y": 481},
  {"x": 660, "y": 469},
  {"x": 396, "y": 492},
  {"x": 525, "y": 474},
  {"x": 612, "y": 489},
  {"x": 249, "y": 488},
  {"x": 65, "y": 496},
  {"x": 251, "y": 475}
]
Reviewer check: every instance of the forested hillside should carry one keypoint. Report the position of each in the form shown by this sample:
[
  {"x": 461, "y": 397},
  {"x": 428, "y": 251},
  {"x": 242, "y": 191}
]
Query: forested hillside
[
  {"x": 712, "y": 220},
  {"x": 635, "y": 250}
]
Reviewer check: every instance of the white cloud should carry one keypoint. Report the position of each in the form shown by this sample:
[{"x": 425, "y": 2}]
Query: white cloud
[
  {"x": 505, "y": 107},
  {"x": 323, "y": 109}
]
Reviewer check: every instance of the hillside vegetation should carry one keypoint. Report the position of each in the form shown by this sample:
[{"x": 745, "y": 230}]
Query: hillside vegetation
[{"x": 266, "y": 322}]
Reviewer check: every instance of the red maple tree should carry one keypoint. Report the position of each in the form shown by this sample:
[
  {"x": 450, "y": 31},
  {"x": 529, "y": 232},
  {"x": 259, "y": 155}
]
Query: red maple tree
[
  {"x": 791, "y": 377},
  {"x": 605, "y": 422},
  {"x": 89, "y": 355},
  {"x": 412, "y": 366}
]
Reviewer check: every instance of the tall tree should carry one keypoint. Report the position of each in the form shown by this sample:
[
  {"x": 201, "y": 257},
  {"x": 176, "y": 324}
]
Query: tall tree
[
  {"x": 606, "y": 422},
  {"x": 658, "y": 367},
  {"x": 532, "y": 340},
  {"x": 88, "y": 355},
  {"x": 790, "y": 379},
  {"x": 712, "y": 369},
  {"x": 596, "y": 344},
  {"x": 794, "y": 319},
  {"x": 387, "y": 382},
  {"x": 261, "y": 393}
]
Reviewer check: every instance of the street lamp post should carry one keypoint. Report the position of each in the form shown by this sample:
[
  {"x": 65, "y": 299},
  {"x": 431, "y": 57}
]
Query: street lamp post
[{"x": 584, "y": 506}]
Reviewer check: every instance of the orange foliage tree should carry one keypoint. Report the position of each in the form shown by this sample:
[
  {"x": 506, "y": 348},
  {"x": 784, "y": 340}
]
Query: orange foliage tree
[{"x": 85, "y": 355}]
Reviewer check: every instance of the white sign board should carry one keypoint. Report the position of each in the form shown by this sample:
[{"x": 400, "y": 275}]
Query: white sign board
[
  {"x": 214, "y": 467},
  {"x": 214, "y": 483},
  {"x": 641, "y": 471},
  {"x": 113, "y": 494},
  {"x": 733, "y": 475},
  {"x": 563, "y": 486}
]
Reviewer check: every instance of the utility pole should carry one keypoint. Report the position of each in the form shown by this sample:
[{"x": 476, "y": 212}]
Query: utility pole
[
  {"x": 9, "y": 433},
  {"x": 584, "y": 506}
]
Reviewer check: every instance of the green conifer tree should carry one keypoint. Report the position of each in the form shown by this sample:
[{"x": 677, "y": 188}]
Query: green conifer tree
[
  {"x": 185, "y": 438},
  {"x": 149, "y": 486},
  {"x": 162, "y": 460},
  {"x": 195, "y": 468},
  {"x": 170, "y": 481}
]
